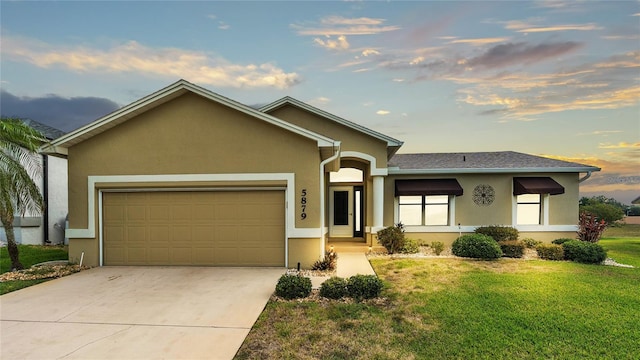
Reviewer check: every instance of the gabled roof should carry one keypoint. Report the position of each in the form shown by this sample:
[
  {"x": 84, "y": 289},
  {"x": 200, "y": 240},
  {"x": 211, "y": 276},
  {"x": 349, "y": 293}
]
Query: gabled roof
[
  {"x": 392, "y": 144},
  {"x": 162, "y": 96},
  {"x": 480, "y": 162},
  {"x": 49, "y": 132},
  {"x": 636, "y": 201}
]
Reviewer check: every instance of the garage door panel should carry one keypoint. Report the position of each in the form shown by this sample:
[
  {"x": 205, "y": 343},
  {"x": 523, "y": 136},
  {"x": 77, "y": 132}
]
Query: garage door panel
[{"x": 228, "y": 228}]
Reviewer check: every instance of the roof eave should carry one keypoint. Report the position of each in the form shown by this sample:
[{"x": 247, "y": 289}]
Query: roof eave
[
  {"x": 391, "y": 142},
  {"x": 398, "y": 171},
  {"x": 166, "y": 94}
]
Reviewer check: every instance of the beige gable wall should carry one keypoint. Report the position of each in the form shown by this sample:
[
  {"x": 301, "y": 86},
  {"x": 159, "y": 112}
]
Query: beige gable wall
[
  {"x": 351, "y": 140},
  {"x": 192, "y": 135}
]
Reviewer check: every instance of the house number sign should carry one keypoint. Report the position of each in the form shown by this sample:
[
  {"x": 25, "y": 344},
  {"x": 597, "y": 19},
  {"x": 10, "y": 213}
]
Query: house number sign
[{"x": 303, "y": 204}]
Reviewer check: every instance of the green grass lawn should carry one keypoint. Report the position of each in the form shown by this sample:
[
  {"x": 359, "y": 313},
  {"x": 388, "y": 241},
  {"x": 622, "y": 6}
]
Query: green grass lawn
[
  {"x": 465, "y": 309},
  {"x": 29, "y": 255},
  {"x": 32, "y": 254}
]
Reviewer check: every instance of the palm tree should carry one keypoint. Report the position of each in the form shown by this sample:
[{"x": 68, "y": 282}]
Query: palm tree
[{"x": 18, "y": 192}]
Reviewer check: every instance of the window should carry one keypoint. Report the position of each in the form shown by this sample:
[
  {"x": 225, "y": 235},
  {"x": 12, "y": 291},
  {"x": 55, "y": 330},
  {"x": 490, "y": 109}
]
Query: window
[
  {"x": 528, "y": 209},
  {"x": 424, "y": 210}
]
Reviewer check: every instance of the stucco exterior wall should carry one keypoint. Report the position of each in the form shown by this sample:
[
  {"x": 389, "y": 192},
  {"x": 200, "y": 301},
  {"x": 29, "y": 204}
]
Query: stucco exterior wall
[
  {"x": 351, "y": 140},
  {"x": 191, "y": 135},
  {"x": 563, "y": 209}
]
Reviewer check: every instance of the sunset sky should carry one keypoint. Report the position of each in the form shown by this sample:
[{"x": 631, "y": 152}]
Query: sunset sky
[{"x": 552, "y": 78}]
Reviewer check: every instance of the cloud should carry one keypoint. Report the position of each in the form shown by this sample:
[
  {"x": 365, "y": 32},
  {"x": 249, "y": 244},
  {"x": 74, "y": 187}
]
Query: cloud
[
  {"x": 481, "y": 41},
  {"x": 383, "y": 112},
  {"x": 521, "y": 53},
  {"x": 607, "y": 84},
  {"x": 133, "y": 57},
  {"x": 340, "y": 43},
  {"x": 319, "y": 101},
  {"x": 620, "y": 145},
  {"x": 568, "y": 27},
  {"x": 338, "y": 25},
  {"x": 62, "y": 113}
]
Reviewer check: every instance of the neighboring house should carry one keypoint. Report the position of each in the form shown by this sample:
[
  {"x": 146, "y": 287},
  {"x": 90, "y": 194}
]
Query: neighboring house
[
  {"x": 51, "y": 178},
  {"x": 636, "y": 201},
  {"x": 185, "y": 176}
]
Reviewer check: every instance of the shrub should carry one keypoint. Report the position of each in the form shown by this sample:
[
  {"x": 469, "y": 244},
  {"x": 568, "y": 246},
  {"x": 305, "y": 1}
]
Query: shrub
[
  {"x": 584, "y": 252},
  {"x": 334, "y": 288},
  {"x": 550, "y": 251},
  {"x": 410, "y": 246},
  {"x": 293, "y": 286},
  {"x": 392, "y": 238},
  {"x": 590, "y": 228},
  {"x": 499, "y": 233},
  {"x": 561, "y": 241},
  {"x": 476, "y": 246},
  {"x": 531, "y": 243},
  {"x": 512, "y": 249},
  {"x": 364, "y": 287},
  {"x": 438, "y": 247},
  {"x": 327, "y": 263}
]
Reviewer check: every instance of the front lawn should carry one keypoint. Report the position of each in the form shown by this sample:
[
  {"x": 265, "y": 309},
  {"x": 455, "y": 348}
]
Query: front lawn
[
  {"x": 32, "y": 254},
  {"x": 29, "y": 256},
  {"x": 450, "y": 308}
]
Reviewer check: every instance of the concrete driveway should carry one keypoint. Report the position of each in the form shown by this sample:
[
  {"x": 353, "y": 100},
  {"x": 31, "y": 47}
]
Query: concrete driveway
[{"x": 136, "y": 313}]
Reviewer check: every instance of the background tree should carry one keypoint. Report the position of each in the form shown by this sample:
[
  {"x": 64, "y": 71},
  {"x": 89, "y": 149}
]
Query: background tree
[
  {"x": 18, "y": 164},
  {"x": 603, "y": 208}
]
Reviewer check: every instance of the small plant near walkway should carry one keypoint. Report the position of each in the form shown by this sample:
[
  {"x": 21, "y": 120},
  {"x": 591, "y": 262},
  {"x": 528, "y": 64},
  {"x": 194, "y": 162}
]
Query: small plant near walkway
[
  {"x": 293, "y": 287},
  {"x": 327, "y": 263},
  {"x": 334, "y": 288},
  {"x": 392, "y": 238},
  {"x": 438, "y": 247}
]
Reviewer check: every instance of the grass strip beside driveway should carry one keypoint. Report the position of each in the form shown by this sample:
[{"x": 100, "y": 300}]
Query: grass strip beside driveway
[{"x": 455, "y": 308}]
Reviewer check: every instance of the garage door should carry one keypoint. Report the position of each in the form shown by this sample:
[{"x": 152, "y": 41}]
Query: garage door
[{"x": 221, "y": 228}]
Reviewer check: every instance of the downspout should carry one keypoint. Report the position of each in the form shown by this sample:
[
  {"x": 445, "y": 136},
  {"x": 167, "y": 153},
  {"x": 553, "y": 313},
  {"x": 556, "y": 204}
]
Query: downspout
[
  {"x": 45, "y": 198},
  {"x": 336, "y": 150},
  {"x": 585, "y": 177}
]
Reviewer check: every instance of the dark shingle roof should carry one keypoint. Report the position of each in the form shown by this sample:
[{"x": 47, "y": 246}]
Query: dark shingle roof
[
  {"x": 478, "y": 161},
  {"x": 46, "y": 130}
]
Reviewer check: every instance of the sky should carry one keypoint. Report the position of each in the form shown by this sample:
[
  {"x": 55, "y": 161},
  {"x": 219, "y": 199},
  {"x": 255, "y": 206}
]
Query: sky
[{"x": 552, "y": 78}]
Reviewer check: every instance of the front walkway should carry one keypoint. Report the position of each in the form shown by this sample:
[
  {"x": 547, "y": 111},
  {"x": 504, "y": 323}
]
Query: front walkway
[{"x": 349, "y": 264}]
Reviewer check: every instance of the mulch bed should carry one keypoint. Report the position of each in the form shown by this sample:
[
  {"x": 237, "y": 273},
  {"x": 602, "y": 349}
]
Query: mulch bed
[{"x": 41, "y": 272}]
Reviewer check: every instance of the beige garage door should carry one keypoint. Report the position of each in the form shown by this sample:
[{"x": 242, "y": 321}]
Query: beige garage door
[{"x": 219, "y": 228}]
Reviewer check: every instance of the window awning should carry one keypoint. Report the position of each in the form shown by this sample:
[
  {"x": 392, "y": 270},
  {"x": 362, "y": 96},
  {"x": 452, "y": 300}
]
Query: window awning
[
  {"x": 428, "y": 187},
  {"x": 536, "y": 185}
]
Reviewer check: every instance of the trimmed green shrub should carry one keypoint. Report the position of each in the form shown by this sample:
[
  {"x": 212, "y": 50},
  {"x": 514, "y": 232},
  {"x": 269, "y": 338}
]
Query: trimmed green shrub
[
  {"x": 531, "y": 243},
  {"x": 392, "y": 238},
  {"x": 438, "y": 247},
  {"x": 561, "y": 241},
  {"x": 364, "y": 287},
  {"x": 584, "y": 252},
  {"x": 410, "y": 246},
  {"x": 334, "y": 288},
  {"x": 512, "y": 249},
  {"x": 498, "y": 233},
  {"x": 550, "y": 251},
  {"x": 477, "y": 246},
  {"x": 327, "y": 263},
  {"x": 293, "y": 286}
]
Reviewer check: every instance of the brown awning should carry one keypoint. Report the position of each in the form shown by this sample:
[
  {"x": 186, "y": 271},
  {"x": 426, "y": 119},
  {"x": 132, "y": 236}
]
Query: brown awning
[
  {"x": 536, "y": 185},
  {"x": 428, "y": 187}
]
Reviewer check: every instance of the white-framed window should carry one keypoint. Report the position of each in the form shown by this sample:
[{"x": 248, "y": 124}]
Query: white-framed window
[
  {"x": 423, "y": 210},
  {"x": 529, "y": 209}
]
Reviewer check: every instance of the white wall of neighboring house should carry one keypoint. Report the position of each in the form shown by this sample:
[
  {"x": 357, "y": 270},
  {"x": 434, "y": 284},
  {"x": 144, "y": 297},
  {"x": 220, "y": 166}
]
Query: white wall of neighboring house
[
  {"x": 29, "y": 229},
  {"x": 57, "y": 199}
]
